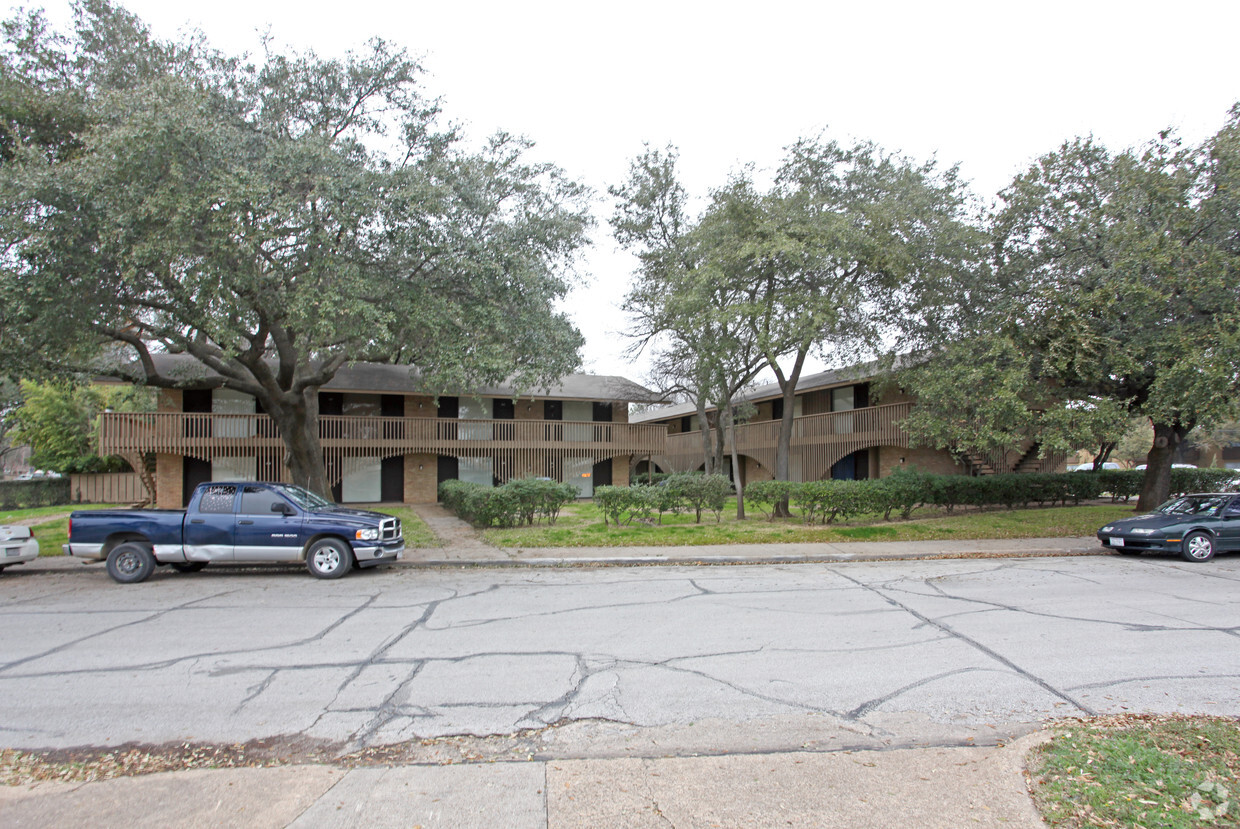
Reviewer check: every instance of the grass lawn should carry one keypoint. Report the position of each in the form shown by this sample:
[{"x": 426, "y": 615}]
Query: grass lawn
[
  {"x": 1130, "y": 771},
  {"x": 53, "y": 533},
  {"x": 416, "y": 533},
  {"x": 581, "y": 525},
  {"x": 37, "y": 512}
]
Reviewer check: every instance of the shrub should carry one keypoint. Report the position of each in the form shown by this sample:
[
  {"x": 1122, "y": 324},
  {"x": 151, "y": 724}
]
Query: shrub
[
  {"x": 766, "y": 494},
  {"x": 904, "y": 489},
  {"x": 44, "y": 492},
  {"x": 613, "y": 501},
  {"x": 520, "y": 501},
  {"x": 699, "y": 492}
]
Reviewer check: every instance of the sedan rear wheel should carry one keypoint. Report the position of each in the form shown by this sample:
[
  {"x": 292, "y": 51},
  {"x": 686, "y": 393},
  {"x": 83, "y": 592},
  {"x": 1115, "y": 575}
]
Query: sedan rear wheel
[{"x": 1198, "y": 546}]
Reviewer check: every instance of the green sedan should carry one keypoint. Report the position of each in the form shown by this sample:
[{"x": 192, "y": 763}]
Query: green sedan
[{"x": 1195, "y": 526}]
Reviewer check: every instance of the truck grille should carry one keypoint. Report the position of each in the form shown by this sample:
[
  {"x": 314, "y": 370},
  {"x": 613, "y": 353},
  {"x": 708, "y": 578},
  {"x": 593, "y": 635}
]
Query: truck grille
[{"x": 389, "y": 528}]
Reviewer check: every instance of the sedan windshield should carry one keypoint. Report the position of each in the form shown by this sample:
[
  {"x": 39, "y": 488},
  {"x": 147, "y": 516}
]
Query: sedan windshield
[
  {"x": 303, "y": 498},
  {"x": 1193, "y": 505}
]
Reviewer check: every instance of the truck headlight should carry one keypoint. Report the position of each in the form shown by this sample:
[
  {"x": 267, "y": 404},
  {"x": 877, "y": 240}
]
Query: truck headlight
[{"x": 367, "y": 535}]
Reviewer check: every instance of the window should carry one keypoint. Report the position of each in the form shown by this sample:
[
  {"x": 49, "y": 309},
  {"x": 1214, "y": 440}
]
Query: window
[
  {"x": 229, "y": 403},
  {"x": 217, "y": 499},
  {"x": 257, "y": 500},
  {"x": 243, "y": 468}
]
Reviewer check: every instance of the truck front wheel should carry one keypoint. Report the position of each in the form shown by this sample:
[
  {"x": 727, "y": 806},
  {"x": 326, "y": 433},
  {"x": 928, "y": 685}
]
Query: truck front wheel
[
  {"x": 329, "y": 558},
  {"x": 130, "y": 563}
]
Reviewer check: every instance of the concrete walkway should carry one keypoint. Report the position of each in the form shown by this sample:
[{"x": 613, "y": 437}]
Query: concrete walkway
[{"x": 924, "y": 788}]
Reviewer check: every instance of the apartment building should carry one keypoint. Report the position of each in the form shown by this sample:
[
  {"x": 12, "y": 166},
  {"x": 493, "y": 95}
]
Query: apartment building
[
  {"x": 843, "y": 427},
  {"x": 386, "y": 440}
]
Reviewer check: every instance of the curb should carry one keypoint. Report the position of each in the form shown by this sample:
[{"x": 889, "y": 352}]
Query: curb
[{"x": 820, "y": 558}]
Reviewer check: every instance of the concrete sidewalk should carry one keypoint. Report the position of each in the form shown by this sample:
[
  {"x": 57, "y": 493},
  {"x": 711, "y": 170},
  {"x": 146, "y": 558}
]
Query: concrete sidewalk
[{"x": 924, "y": 788}]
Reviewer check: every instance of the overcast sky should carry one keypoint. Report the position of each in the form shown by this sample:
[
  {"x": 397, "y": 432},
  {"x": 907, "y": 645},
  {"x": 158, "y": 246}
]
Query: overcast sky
[{"x": 988, "y": 85}]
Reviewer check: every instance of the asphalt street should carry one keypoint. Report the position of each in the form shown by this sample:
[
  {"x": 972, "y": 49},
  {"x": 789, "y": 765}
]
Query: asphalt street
[{"x": 612, "y": 662}]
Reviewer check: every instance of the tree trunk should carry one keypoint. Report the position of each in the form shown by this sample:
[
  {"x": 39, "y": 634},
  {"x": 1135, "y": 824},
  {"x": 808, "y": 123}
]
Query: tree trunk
[
  {"x": 783, "y": 448},
  {"x": 1156, "y": 485},
  {"x": 298, "y": 420},
  {"x": 704, "y": 431},
  {"x": 1104, "y": 454},
  {"x": 737, "y": 477}
]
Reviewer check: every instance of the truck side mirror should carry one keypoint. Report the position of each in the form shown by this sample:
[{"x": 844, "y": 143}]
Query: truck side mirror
[{"x": 282, "y": 508}]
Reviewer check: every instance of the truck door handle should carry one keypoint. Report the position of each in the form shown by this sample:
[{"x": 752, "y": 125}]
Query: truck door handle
[
  {"x": 197, "y": 521},
  {"x": 245, "y": 522}
]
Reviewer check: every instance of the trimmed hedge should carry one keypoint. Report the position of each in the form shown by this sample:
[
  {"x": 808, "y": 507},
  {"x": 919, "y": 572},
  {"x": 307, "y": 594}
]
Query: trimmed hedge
[
  {"x": 518, "y": 502},
  {"x": 41, "y": 492},
  {"x": 679, "y": 492},
  {"x": 829, "y": 501}
]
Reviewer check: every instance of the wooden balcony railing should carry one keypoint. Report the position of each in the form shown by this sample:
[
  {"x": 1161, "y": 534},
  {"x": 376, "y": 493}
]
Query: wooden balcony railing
[
  {"x": 214, "y": 435},
  {"x": 818, "y": 441}
]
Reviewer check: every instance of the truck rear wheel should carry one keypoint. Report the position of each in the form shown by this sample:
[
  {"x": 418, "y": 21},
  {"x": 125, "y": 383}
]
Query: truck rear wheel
[
  {"x": 131, "y": 562},
  {"x": 329, "y": 558}
]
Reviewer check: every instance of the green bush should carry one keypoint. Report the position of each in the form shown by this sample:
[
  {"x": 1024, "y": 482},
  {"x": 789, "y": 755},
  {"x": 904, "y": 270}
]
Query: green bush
[
  {"x": 520, "y": 501},
  {"x": 904, "y": 489},
  {"x": 700, "y": 492},
  {"x": 766, "y": 494},
  {"x": 43, "y": 492}
]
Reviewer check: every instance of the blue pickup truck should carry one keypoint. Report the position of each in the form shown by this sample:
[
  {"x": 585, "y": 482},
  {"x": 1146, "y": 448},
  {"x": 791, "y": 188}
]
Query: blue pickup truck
[{"x": 241, "y": 522}]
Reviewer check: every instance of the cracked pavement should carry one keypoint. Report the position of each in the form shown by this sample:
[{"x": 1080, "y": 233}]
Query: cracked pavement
[{"x": 641, "y": 661}]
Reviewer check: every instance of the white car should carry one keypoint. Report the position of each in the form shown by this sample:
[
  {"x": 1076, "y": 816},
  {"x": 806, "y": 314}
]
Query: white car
[{"x": 17, "y": 545}]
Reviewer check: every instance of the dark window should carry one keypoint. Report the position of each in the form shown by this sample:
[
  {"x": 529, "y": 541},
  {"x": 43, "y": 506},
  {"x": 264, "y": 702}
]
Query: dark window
[
  {"x": 777, "y": 409},
  {"x": 553, "y": 410},
  {"x": 331, "y": 403},
  {"x": 602, "y": 473},
  {"x": 502, "y": 409},
  {"x": 449, "y": 468},
  {"x": 686, "y": 423},
  {"x": 861, "y": 395},
  {"x": 602, "y": 413},
  {"x": 196, "y": 400},
  {"x": 392, "y": 479},
  {"x": 193, "y": 473},
  {"x": 392, "y": 405},
  {"x": 217, "y": 498},
  {"x": 449, "y": 407},
  {"x": 257, "y": 500}
]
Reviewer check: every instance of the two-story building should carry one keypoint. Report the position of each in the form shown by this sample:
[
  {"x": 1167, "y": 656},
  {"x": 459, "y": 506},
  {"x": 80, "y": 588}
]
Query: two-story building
[
  {"x": 386, "y": 440},
  {"x": 841, "y": 428}
]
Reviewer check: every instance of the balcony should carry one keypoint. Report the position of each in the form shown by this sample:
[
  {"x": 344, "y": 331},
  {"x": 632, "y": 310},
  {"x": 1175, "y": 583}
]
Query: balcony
[
  {"x": 818, "y": 441},
  {"x": 211, "y": 435}
]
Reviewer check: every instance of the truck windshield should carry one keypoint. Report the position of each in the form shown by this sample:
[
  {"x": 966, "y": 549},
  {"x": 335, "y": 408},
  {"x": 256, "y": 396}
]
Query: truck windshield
[{"x": 303, "y": 498}]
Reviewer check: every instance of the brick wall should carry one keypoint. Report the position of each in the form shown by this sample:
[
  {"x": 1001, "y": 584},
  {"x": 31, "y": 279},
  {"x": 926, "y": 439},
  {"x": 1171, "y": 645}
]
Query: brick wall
[
  {"x": 527, "y": 410},
  {"x": 421, "y": 484},
  {"x": 934, "y": 461},
  {"x": 420, "y": 405},
  {"x": 620, "y": 471},
  {"x": 754, "y": 471},
  {"x": 168, "y": 481},
  {"x": 169, "y": 400}
]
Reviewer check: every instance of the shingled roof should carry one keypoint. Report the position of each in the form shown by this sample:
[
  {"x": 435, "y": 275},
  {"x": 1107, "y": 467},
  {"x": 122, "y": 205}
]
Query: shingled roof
[{"x": 383, "y": 378}]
